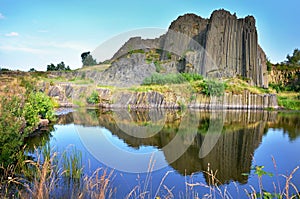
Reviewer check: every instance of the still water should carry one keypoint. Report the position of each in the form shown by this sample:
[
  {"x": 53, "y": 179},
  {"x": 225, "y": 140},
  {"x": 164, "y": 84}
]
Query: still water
[{"x": 167, "y": 150}]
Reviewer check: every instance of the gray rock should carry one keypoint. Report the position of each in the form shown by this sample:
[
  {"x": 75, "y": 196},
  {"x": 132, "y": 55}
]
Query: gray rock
[
  {"x": 222, "y": 46},
  {"x": 127, "y": 71}
]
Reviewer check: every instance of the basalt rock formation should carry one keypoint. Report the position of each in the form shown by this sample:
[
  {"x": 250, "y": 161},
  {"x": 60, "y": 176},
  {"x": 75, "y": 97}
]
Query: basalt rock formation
[{"x": 222, "y": 45}]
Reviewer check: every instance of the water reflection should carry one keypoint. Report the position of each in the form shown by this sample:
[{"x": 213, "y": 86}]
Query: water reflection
[{"x": 232, "y": 152}]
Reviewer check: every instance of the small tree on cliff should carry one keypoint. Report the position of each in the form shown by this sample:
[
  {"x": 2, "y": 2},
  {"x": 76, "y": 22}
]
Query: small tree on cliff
[
  {"x": 294, "y": 59},
  {"x": 87, "y": 59}
]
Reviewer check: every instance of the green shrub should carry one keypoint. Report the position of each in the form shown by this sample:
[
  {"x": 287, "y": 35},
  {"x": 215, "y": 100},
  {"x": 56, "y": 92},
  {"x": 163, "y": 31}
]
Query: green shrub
[
  {"x": 11, "y": 123},
  {"x": 18, "y": 118},
  {"x": 161, "y": 79},
  {"x": 190, "y": 77},
  {"x": 93, "y": 98},
  {"x": 269, "y": 65},
  {"x": 136, "y": 51},
  {"x": 158, "y": 67},
  {"x": 289, "y": 102},
  {"x": 178, "y": 78},
  {"x": 212, "y": 88}
]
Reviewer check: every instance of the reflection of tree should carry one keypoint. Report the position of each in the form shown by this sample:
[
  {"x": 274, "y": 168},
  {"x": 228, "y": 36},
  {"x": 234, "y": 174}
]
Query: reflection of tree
[
  {"x": 38, "y": 139},
  {"x": 289, "y": 122}
]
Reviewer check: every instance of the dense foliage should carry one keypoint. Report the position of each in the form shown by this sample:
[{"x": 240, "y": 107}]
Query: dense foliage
[
  {"x": 162, "y": 79},
  {"x": 291, "y": 62},
  {"x": 18, "y": 118},
  {"x": 59, "y": 67},
  {"x": 294, "y": 59},
  {"x": 87, "y": 59},
  {"x": 93, "y": 98},
  {"x": 4, "y": 69},
  {"x": 212, "y": 88}
]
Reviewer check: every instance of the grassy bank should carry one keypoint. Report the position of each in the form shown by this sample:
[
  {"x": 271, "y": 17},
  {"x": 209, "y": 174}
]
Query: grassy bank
[{"x": 289, "y": 100}]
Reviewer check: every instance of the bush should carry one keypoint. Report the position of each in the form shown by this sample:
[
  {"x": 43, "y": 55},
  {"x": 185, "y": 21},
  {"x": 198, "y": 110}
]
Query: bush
[
  {"x": 160, "y": 79},
  {"x": 11, "y": 123},
  {"x": 212, "y": 88},
  {"x": 93, "y": 98},
  {"x": 179, "y": 78},
  {"x": 190, "y": 77},
  {"x": 18, "y": 118},
  {"x": 269, "y": 65},
  {"x": 289, "y": 102},
  {"x": 158, "y": 67}
]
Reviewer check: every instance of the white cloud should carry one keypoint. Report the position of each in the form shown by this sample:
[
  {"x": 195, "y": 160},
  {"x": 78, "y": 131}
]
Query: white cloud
[
  {"x": 43, "y": 31},
  {"x": 71, "y": 45},
  {"x": 22, "y": 49},
  {"x": 12, "y": 34},
  {"x": 1, "y": 16}
]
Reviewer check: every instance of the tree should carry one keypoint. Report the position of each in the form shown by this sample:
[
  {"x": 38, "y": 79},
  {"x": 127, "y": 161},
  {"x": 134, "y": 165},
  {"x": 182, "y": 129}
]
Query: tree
[
  {"x": 84, "y": 55},
  {"x": 295, "y": 58},
  {"x": 4, "y": 69},
  {"x": 51, "y": 67},
  {"x": 32, "y": 70},
  {"x": 89, "y": 61},
  {"x": 59, "y": 67}
]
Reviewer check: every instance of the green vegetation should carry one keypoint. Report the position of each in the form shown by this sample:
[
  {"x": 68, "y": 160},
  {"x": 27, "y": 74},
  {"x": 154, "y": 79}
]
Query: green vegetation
[
  {"x": 136, "y": 51},
  {"x": 162, "y": 79},
  {"x": 93, "y": 98},
  {"x": 72, "y": 164},
  {"x": 158, "y": 67},
  {"x": 289, "y": 100},
  {"x": 87, "y": 59},
  {"x": 282, "y": 88},
  {"x": 292, "y": 62},
  {"x": 19, "y": 116},
  {"x": 4, "y": 69},
  {"x": 59, "y": 67},
  {"x": 191, "y": 77},
  {"x": 212, "y": 88},
  {"x": 179, "y": 78},
  {"x": 207, "y": 87},
  {"x": 269, "y": 65}
]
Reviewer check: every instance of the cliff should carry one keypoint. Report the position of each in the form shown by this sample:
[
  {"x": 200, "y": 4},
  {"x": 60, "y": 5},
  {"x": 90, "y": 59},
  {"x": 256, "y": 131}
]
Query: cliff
[
  {"x": 221, "y": 46},
  {"x": 285, "y": 77}
]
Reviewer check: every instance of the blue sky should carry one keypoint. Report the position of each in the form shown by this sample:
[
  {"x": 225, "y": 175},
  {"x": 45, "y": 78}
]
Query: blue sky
[{"x": 34, "y": 33}]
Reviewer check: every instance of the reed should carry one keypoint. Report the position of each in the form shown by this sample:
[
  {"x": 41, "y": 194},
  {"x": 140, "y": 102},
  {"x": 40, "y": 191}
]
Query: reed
[
  {"x": 48, "y": 173},
  {"x": 72, "y": 164}
]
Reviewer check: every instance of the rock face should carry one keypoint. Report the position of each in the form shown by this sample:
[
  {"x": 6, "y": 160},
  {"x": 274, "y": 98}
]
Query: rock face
[
  {"x": 170, "y": 100},
  {"x": 127, "y": 71},
  {"x": 222, "y": 45},
  {"x": 287, "y": 77},
  {"x": 68, "y": 95}
]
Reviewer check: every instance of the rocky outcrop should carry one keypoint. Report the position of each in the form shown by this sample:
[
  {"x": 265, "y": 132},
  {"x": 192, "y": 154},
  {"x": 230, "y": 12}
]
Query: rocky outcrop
[
  {"x": 153, "y": 99},
  {"x": 68, "y": 95},
  {"x": 127, "y": 71},
  {"x": 221, "y": 46},
  {"x": 285, "y": 77}
]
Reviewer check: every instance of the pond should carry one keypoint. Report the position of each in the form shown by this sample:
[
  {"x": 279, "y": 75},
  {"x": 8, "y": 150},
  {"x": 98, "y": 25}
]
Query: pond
[{"x": 172, "y": 152}]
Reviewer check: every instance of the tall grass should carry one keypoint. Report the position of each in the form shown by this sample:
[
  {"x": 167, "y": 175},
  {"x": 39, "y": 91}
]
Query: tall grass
[
  {"x": 47, "y": 181},
  {"x": 72, "y": 164}
]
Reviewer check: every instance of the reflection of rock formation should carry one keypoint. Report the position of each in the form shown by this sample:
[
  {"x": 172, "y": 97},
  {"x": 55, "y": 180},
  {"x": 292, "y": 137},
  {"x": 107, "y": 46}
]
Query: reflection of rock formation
[{"x": 231, "y": 155}]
